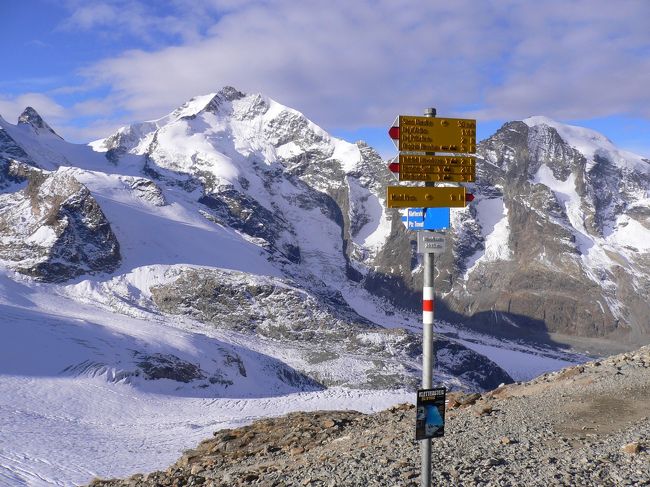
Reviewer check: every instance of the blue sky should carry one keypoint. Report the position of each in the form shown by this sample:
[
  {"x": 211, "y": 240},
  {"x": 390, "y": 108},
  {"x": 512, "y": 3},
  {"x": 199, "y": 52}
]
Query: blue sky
[{"x": 351, "y": 67}]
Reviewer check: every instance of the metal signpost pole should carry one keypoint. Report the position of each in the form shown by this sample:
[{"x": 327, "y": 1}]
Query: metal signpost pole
[
  {"x": 418, "y": 139},
  {"x": 427, "y": 341}
]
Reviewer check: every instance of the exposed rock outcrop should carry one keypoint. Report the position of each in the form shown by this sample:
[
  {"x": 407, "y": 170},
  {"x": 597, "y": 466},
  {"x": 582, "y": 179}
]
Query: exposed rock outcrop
[{"x": 53, "y": 229}]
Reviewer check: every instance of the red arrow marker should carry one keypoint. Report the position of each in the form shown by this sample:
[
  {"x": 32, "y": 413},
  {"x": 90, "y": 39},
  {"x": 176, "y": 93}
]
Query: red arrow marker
[
  {"x": 393, "y": 133},
  {"x": 469, "y": 197},
  {"x": 393, "y": 167}
]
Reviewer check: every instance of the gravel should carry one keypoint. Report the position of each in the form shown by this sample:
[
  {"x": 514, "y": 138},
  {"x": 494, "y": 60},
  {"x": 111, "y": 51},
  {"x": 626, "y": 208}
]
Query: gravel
[{"x": 583, "y": 426}]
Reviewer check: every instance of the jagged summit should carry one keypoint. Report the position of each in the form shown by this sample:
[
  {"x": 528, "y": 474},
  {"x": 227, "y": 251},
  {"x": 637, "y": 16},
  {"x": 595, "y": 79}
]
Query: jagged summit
[
  {"x": 592, "y": 144},
  {"x": 32, "y": 118},
  {"x": 203, "y": 103}
]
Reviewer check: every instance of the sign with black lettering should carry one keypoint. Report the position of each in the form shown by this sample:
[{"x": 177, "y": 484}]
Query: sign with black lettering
[
  {"x": 427, "y": 134},
  {"x": 430, "y": 413}
]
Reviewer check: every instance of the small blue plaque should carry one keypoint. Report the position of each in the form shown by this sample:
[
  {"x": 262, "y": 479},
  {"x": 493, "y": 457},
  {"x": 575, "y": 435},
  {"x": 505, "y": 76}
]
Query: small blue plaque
[{"x": 427, "y": 219}]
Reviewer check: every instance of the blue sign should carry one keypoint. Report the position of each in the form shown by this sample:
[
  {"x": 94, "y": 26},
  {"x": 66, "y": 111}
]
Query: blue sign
[{"x": 426, "y": 218}]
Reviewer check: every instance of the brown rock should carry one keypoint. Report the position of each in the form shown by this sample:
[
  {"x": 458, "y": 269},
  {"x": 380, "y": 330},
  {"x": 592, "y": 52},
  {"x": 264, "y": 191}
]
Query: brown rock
[
  {"x": 297, "y": 450},
  {"x": 572, "y": 372},
  {"x": 468, "y": 399},
  {"x": 328, "y": 423},
  {"x": 189, "y": 457},
  {"x": 632, "y": 448},
  {"x": 452, "y": 404},
  {"x": 483, "y": 410},
  {"x": 505, "y": 440}
]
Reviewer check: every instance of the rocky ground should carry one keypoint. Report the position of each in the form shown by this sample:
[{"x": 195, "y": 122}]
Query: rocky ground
[{"x": 587, "y": 425}]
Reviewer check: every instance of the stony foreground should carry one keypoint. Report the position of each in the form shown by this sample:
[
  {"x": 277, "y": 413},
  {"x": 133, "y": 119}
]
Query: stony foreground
[{"x": 583, "y": 426}]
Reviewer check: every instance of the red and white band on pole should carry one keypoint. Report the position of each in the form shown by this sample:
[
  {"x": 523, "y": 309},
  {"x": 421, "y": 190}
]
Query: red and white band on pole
[{"x": 427, "y": 305}]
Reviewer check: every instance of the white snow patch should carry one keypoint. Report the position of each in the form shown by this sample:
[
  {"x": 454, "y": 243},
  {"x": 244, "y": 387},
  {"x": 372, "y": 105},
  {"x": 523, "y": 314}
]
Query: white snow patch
[
  {"x": 44, "y": 236},
  {"x": 348, "y": 153},
  {"x": 630, "y": 233},
  {"x": 492, "y": 215}
]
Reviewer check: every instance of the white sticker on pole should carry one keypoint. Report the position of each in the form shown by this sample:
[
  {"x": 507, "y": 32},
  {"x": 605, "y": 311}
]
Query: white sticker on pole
[{"x": 431, "y": 243}]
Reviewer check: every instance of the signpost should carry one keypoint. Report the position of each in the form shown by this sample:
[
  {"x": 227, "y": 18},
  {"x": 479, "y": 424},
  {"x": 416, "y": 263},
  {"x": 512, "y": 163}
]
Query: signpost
[
  {"x": 421, "y": 137},
  {"x": 436, "y": 168}
]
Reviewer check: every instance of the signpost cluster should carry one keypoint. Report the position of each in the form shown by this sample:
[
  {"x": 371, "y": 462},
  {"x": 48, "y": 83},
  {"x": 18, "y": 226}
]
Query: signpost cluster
[{"x": 427, "y": 208}]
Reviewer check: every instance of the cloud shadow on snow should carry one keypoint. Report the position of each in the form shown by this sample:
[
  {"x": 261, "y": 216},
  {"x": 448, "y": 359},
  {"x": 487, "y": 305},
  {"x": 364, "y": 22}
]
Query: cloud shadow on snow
[
  {"x": 500, "y": 324},
  {"x": 34, "y": 343}
]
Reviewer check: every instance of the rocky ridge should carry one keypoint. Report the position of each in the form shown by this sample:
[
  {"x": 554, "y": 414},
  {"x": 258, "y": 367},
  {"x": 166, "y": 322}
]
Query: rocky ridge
[
  {"x": 52, "y": 228},
  {"x": 586, "y": 425},
  {"x": 554, "y": 241},
  {"x": 320, "y": 334}
]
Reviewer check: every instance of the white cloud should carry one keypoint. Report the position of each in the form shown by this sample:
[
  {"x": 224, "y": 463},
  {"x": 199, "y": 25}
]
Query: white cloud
[
  {"x": 351, "y": 64},
  {"x": 147, "y": 21},
  {"x": 12, "y": 107},
  {"x": 347, "y": 64},
  {"x": 342, "y": 63}
]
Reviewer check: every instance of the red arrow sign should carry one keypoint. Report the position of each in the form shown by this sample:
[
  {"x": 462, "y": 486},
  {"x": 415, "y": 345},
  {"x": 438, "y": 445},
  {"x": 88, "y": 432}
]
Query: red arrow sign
[
  {"x": 393, "y": 167},
  {"x": 393, "y": 133},
  {"x": 469, "y": 197}
]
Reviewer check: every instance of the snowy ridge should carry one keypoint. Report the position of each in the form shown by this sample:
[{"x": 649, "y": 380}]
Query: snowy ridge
[{"x": 591, "y": 143}]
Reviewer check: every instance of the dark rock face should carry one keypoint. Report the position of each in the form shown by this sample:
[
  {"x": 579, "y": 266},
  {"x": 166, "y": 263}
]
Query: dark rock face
[
  {"x": 146, "y": 190},
  {"x": 166, "y": 366},
  {"x": 54, "y": 229},
  {"x": 235, "y": 209},
  {"x": 263, "y": 306},
  {"x": 469, "y": 365},
  {"x": 10, "y": 153}
]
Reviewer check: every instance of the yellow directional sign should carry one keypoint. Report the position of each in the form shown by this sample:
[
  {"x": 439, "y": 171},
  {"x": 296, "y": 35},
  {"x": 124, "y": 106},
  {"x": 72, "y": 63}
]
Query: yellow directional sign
[
  {"x": 437, "y": 168},
  {"x": 425, "y": 197},
  {"x": 437, "y": 177},
  {"x": 430, "y": 134}
]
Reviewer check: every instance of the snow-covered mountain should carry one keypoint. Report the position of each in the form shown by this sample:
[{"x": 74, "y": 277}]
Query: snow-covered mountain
[
  {"x": 237, "y": 211},
  {"x": 234, "y": 250}
]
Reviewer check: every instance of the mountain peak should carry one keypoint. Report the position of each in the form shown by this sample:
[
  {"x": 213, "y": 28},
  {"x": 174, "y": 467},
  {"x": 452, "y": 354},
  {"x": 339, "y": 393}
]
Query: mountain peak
[
  {"x": 32, "y": 118},
  {"x": 231, "y": 94},
  {"x": 225, "y": 94},
  {"x": 210, "y": 103},
  {"x": 590, "y": 143},
  {"x": 570, "y": 133}
]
